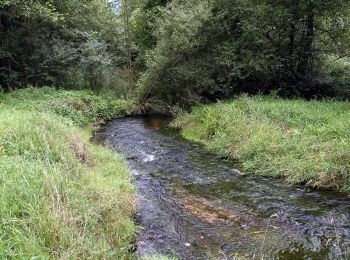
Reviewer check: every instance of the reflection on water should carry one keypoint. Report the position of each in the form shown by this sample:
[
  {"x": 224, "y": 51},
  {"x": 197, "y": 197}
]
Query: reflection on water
[{"x": 195, "y": 206}]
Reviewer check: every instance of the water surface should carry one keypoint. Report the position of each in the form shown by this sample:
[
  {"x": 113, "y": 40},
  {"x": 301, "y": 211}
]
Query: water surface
[{"x": 195, "y": 206}]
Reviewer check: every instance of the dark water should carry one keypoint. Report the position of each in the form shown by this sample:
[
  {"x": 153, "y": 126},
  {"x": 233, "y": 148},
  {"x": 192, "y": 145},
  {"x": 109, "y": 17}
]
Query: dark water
[{"x": 195, "y": 206}]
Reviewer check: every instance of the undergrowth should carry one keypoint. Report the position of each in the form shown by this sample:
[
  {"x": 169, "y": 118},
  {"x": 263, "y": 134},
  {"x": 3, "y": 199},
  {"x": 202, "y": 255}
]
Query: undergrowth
[
  {"x": 304, "y": 142},
  {"x": 62, "y": 197}
]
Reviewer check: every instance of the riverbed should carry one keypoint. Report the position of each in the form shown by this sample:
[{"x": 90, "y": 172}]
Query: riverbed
[{"x": 194, "y": 205}]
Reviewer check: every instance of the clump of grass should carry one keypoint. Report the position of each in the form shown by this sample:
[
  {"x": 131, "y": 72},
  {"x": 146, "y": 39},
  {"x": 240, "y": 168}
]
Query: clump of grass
[
  {"x": 81, "y": 107},
  {"x": 158, "y": 257},
  {"x": 302, "y": 141},
  {"x": 61, "y": 196}
]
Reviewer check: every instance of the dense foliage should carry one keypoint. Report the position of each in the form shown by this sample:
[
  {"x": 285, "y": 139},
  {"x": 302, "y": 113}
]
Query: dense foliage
[
  {"x": 216, "y": 48},
  {"x": 66, "y": 43},
  {"x": 178, "y": 50}
]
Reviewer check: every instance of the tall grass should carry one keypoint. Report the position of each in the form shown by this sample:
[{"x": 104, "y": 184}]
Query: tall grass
[
  {"x": 61, "y": 196},
  {"x": 302, "y": 141}
]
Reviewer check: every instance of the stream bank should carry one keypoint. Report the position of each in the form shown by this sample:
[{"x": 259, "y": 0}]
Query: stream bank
[{"x": 193, "y": 205}]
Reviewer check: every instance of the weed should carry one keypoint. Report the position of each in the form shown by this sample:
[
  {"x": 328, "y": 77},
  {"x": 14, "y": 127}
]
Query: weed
[
  {"x": 302, "y": 141},
  {"x": 61, "y": 196}
]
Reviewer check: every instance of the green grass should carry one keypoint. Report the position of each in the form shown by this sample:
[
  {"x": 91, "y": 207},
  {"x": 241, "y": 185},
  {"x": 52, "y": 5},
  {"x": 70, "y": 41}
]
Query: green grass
[
  {"x": 81, "y": 107},
  {"x": 302, "y": 141},
  {"x": 62, "y": 196},
  {"x": 159, "y": 257}
]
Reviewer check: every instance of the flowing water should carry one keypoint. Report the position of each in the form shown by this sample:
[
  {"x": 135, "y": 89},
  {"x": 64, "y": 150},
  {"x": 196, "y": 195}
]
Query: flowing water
[{"x": 193, "y": 205}]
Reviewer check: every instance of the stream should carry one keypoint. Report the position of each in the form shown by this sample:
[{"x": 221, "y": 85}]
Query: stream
[{"x": 194, "y": 205}]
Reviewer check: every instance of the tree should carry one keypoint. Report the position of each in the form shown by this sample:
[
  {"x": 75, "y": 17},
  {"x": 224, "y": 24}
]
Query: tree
[
  {"x": 45, "y": 42},
  {"x": 228, "y": 47}
]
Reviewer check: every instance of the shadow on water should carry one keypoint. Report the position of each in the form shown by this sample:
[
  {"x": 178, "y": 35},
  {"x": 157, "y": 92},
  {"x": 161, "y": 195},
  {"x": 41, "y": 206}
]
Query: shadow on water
[{"x": 195, "y": 206}]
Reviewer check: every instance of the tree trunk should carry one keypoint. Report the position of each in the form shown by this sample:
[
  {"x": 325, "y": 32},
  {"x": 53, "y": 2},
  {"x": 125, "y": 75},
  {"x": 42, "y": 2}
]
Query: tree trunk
[
  {"x": 293, "y": 27},
  {"x": 307, "y": 43},
  {"x": 291, "y": 67},
  {"x": 128, "y": 44}
]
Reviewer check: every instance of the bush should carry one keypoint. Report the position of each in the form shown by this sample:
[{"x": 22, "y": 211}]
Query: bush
[{"x": 82, "y": 107}]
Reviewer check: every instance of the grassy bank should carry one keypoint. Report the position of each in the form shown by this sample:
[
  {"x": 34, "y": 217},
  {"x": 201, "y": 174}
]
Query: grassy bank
[
  {"x": 62, "y": 196},
  {"x": 302, "y": 141}
]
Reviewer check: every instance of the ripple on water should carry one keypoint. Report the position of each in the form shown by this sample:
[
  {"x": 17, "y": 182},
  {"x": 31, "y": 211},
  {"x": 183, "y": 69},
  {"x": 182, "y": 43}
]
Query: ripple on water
[{"x": 196, "y": 206}]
